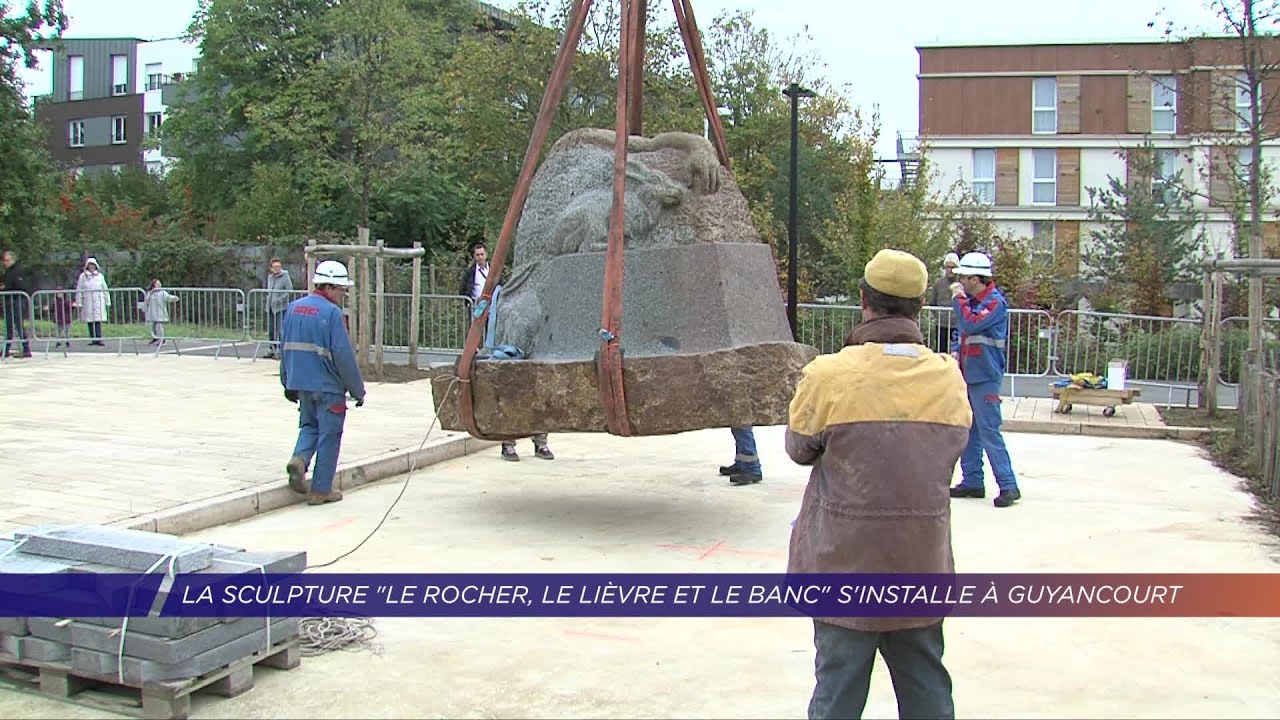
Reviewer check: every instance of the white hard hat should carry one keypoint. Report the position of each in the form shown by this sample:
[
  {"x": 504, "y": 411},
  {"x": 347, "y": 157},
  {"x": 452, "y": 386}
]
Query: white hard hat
[
  {"x": 951, "y": 259},
  {"x": 975, "y": 263},
  {"x": 331, "y": 272}
]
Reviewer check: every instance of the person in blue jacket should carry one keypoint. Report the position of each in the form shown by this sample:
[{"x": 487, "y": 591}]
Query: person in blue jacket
[
  {"x": 318, "y": 370},
  {"x": 982, "y": 317}
]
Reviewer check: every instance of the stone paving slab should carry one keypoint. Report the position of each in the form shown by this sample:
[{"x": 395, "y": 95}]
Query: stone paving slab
[{"x": 176, "y": 444}]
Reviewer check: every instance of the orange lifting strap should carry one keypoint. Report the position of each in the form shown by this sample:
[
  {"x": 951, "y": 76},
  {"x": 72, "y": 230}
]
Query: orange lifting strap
[{"x": 629, "y": 116}]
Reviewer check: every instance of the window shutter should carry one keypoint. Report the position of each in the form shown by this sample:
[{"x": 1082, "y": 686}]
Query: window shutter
[
  {"x": 1221, "y": 176},
  {"x": 1137, "y": 167},
  {"x": 1007, "y": 176},
  {"x": 1222, "y": 102},
  {"x": 1139, "y": 104},
  {"x": 1068, "y": 104},
  {"x": 1066, "y": 247},
  {"x": 1069, "y": 176}
]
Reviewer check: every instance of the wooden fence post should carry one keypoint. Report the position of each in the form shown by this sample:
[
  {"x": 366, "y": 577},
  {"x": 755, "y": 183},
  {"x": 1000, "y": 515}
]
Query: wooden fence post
[
  {"x": 311, "y": 265},
  {"x": 415, "y": 303},
  {"x": 362, "y": 297},
  {"x": 380, "y": 314}
]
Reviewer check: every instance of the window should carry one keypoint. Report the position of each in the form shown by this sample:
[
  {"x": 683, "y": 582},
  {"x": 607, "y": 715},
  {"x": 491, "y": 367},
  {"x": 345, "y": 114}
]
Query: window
[
  {"x": 1043, "y": 242},
  {"x": 1244, "y": 158},
  {"x": 153, "y": 123},
  {"x": 1243, "y": 114},
  {"x": 75, "y": 77},
  {"x": 119, "y": 75},
  {"x": 118, "y": 136},
  {"x": 1163, "y": 187},
  {"x": 75, "y": 134},
  {"x": 1164, "y": 104},
  {"x": 1044, "y": 105},
  {"x": 1044, "y": 182},
  {"x": 984, "y": 175},
  {"x": 155, "y": 76}
]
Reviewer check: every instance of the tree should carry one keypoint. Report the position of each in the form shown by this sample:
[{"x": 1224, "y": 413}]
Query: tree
[
  {"x": 26, "y": 182},
  {"x": 1150, "y": 235}
]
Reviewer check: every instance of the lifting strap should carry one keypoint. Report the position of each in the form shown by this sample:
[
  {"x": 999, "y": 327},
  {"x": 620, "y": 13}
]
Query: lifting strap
[{"x": 629, "y": 119}]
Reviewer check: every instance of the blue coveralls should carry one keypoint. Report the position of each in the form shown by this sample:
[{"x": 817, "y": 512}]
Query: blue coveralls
[
  {"x": 745, "y": 457},
  {"x": 318, "y": 362},
  {"x": 983, "y": 322}
]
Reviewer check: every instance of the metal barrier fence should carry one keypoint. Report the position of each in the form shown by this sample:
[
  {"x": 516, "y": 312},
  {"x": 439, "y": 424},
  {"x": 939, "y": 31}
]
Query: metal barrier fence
[
  {"x": 54, "y": 319},
  {"x": 1030, "y": 338},
  {"x": 1160, "y": 351}
]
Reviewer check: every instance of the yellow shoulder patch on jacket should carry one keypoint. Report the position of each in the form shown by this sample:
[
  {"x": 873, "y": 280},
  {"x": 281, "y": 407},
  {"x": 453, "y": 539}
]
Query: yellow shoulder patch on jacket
[{"x": 880, "y": 383}]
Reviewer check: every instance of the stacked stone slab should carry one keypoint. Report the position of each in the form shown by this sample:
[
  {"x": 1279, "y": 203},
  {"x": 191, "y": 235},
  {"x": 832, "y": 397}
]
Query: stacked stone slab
[{"x": 156, "y": 649}]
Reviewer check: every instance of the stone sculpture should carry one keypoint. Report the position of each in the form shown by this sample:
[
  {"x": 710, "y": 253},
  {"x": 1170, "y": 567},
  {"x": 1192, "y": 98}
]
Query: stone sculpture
[{"x": 704, "y": 336}]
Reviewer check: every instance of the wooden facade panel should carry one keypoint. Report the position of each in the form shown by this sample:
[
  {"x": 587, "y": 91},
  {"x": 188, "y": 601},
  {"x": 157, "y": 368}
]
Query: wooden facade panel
[
  {"x": 1221, "y": 100},
  {"x": 1103, "y": 108},
  {"x": 1069, "y": 176},
  {"x": 1068, "y": 104},
  {"x": 1053, "y": 59},
  {"x": 1137, "y": 170},
  {"x": 1138, "y": 104},
  {"x": 1007, "y": 176},
  {"x": 975, "y": 106},
  {"x": 1221, "y": 176},
  {"x": 1066, "y": 247}
]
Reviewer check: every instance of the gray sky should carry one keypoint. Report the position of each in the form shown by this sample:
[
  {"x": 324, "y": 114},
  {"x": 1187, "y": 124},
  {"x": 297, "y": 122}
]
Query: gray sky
[{"x": 867, "y": 45}]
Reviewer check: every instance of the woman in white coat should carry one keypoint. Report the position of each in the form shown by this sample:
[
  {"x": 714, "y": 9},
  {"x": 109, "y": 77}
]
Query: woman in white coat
[{"x": 93, "y": 298}]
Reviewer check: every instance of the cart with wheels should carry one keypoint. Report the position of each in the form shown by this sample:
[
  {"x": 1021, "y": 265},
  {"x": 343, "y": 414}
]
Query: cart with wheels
[{"x": 1109, "y": 399}]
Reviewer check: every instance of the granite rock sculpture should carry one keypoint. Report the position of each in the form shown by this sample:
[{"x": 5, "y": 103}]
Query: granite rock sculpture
[{"x": 704, "y": 336}]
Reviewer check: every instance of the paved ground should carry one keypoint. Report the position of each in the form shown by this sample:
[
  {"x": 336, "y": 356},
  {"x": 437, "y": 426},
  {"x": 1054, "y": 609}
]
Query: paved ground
[
  {"x": 101, "y": 438},
  {"x": 655, "y": 504},
  {"x": 98, "y": 439}
]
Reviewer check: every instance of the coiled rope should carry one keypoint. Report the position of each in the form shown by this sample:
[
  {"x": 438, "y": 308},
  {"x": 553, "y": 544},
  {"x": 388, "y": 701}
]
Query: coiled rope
[{"x": 321, "y": 635}]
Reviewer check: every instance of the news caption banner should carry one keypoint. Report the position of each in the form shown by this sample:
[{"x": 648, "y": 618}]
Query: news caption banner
[{"x": 71, "y": 595}]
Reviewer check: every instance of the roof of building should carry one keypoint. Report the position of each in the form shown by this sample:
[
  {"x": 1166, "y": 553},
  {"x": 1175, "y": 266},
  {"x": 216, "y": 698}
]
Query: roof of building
[{"x": 938, "y": 44}]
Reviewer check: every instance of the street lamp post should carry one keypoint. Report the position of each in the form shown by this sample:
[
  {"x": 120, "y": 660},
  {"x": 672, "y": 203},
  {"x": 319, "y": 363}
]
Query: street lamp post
[{"x": 795, "y": 92}]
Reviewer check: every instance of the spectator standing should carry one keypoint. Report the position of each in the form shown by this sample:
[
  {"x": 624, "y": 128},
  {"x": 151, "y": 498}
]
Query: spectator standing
[
  {"x": 156, "y": 309},
  {"x": 93, "y": 298},
  {"x": 279, "y": 294},
  {"x": 15, "y": 306}
]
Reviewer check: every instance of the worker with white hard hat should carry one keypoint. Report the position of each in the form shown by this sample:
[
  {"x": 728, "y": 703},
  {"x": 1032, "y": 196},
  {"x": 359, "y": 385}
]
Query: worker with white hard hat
[
  {"x": 318, "y": 370},
  {"x": 982, "y": 316},
  {"x": 944, "y": 324}
]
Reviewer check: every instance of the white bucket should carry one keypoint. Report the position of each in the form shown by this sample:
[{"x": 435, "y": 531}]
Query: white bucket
[{"x": 1116, "y": 371}]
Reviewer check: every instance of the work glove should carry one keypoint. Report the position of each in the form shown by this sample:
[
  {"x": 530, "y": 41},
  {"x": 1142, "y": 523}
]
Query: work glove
[
  {"x": 359, "y": 401},
  {"x": 291, "y": 395},
  {"x": 957, "y": 289}
]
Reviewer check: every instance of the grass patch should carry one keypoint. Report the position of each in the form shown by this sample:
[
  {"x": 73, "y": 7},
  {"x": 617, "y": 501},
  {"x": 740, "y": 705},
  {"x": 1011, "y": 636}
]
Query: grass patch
[
  {"x": 79, "y": 330},
  {"x": 1195, "y": 417}
]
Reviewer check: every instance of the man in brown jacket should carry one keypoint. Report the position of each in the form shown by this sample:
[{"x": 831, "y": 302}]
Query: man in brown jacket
[{"x": 883, "y": 423}]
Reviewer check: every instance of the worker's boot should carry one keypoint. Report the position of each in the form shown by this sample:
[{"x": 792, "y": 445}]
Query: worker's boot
[
  {"x": 322, "y": 498},
  {"x": 745, "y": 478},
  {"x": 964, "y": 491},
  {"x": 509, "y": 453},
  {"x": 1007, "y": 498},
  {"x": 297, "y": 469},
  {"x": 543, "y": 452},
  {"x": 728, "y": 470}
]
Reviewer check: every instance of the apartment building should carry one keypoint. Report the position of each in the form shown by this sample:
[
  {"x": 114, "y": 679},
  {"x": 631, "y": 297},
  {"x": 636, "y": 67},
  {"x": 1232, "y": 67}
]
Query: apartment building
[
  {"x": 107, "y": 100},
  {"x": 1030, "y": 128}
]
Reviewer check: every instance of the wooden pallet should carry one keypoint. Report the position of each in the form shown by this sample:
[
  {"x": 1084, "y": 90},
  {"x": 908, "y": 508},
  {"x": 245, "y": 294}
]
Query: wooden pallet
[
  {"x": 1108, "y": 399},
  {"x": 165, "y": 700}
]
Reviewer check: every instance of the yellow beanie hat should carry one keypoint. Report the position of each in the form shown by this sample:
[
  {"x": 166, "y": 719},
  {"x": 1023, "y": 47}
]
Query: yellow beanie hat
[{"x": 897, "y": 273}]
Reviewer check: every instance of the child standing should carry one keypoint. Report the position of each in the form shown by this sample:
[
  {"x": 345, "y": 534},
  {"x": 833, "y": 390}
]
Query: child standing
[
  {"x": 60, "y": 310},
  {"x": 156, "y": 308}
]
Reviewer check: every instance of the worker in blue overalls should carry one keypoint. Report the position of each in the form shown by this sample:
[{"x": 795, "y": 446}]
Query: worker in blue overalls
[
  {"x": 318, "y": 370},
  {"x": 982, "y": 317}
]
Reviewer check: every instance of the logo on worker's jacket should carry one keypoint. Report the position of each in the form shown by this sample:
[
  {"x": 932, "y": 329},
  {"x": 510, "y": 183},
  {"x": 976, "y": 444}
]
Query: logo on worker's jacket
[{"x": 305, "y": 310}]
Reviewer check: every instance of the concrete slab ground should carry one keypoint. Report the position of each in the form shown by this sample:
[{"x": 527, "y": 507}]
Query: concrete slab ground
[
  {"x": 1091, "y": 504},
  {"x": 176, "y": 443}
]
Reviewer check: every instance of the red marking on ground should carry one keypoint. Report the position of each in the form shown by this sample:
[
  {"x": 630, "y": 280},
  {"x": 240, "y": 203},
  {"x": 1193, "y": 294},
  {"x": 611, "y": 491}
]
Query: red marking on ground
[
  {"x": 720, "y": 547},
  {"x": 601, "y": 636},
  {"x": 341, "y": 523},
  {"x": 714, "y": 548}
]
